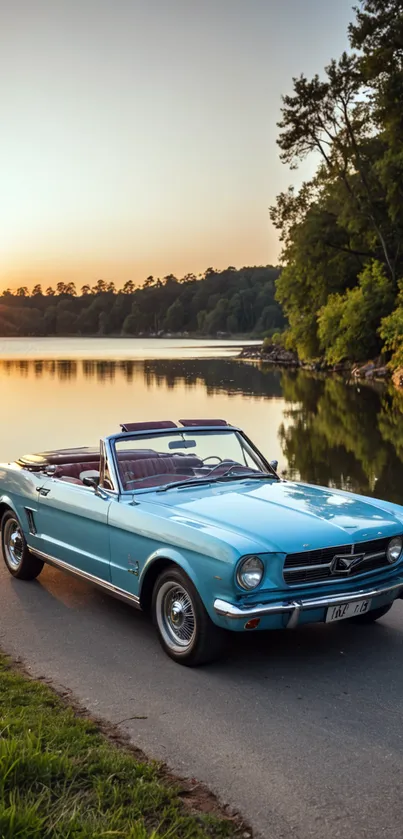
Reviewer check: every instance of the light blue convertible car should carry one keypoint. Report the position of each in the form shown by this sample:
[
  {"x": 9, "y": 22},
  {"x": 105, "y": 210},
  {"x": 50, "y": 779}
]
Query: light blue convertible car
[{"x": 192, "y": 523}]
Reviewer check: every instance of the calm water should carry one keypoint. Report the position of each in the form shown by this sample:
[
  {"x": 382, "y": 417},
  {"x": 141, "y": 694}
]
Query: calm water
[
  {"x": 117, "y": 348},
  {"x": 319, "y": 429}
]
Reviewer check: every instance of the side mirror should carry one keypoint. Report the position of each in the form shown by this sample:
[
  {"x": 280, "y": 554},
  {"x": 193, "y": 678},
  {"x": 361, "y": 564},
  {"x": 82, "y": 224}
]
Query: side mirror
[
  {"x": 90, "y": 478},
  {"x": 274, "y": 465}
]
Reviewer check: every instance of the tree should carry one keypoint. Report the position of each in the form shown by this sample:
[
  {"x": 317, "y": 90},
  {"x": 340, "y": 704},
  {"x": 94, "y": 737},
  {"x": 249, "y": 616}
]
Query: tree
[
  {"x": 128, "y": 287},
  {"x": 172, "y": 303},
  {"x": 103, "y": 324},
  {"x": 22, "y": 291},
  {"x": 345, "y": 226},
  {"x": 175, "y": 317},
  {"x": 332, "y": 118},
  {"x": 99, "y": 287},
  {"x": 216, "y": 321},
  {"x": 130, "y": 325},
  {"x": 378, "y": 33},
  {"x": 37, "y": 291},
  {"x": 65, "y": 322},
  {"x": 49, "y": 320}
]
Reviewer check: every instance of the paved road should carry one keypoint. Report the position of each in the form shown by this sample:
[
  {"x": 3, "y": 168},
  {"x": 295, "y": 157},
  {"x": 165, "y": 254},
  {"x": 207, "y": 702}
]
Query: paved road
[{"x": 300, "y": 731}]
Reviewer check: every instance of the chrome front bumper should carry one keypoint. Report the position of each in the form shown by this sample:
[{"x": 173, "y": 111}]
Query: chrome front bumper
[{"x": 295, "y": 607}]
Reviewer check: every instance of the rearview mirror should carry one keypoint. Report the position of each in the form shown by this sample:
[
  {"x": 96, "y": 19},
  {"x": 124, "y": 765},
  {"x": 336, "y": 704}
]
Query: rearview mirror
[{"x": 182, "y": 444}]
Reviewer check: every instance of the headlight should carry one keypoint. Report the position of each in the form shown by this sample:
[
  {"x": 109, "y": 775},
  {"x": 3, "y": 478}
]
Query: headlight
[
  {"x": 250, "y": 572},
  {"x": 394, "y": 549}
]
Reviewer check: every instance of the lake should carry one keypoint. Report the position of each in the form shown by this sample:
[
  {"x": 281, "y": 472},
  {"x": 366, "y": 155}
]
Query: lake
[{"x": 62, "y": 392}]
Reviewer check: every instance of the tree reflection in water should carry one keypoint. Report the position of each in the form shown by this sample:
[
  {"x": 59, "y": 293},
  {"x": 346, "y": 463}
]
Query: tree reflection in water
[
  {"x": 333, "y": 433},
  {"x": 343, "y": 435}
]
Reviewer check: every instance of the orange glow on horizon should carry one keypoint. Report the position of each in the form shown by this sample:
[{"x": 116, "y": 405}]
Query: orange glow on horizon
[{"x": 139, "y": 138}]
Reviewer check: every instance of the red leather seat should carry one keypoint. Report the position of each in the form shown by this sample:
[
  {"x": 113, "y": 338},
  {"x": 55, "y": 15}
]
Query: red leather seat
[
  {"x": 153, "y": 471},
  {"x": 187, "y": 461},
  {"x": 144, "y": 465},
  {"x": 73, "y": 470}
]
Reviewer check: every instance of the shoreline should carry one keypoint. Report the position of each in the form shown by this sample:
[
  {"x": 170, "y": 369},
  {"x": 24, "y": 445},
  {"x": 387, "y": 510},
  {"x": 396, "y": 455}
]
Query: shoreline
[{"x": 374, "y": 370}]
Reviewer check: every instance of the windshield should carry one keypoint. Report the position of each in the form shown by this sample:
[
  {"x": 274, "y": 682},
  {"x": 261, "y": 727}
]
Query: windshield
[{"x": 185, "y": 456}]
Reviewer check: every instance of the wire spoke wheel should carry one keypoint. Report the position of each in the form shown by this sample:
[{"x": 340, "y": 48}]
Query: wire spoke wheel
[
  {"x": 176, "y": 617},
  {"x": 13, "y": 544}
]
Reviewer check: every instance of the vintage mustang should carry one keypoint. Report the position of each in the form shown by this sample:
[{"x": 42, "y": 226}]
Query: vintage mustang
[{"x": 191, "y": 522}]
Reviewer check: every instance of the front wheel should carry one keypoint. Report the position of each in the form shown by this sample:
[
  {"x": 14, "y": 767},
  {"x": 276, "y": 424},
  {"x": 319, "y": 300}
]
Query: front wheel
[
  {"x": 373, "y": 615},
  {"x": 19, "y": 561},
  {"x": 185, "y": 630}
]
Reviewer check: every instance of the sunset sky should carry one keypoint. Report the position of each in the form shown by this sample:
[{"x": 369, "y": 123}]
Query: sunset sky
[{"x": 138, "y": 136}]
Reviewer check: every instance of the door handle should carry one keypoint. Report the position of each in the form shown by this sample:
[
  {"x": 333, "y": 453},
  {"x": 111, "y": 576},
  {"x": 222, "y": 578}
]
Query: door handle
[{"x": 43, "y": 491}]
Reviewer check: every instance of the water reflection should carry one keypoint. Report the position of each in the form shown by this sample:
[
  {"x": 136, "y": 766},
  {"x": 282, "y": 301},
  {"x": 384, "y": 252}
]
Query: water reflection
[
  {"x": 216, "y": 375},
  {"x": 323, "y": 430},
  {"x": 343, "y": 435}
]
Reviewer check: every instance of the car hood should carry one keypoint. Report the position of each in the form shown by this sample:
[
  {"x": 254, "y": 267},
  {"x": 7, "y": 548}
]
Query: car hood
[{"x": 284, "y": 517}]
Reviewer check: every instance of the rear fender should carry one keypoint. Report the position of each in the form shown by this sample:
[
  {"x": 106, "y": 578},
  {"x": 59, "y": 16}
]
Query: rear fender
[{"x": 7, "y": 503}]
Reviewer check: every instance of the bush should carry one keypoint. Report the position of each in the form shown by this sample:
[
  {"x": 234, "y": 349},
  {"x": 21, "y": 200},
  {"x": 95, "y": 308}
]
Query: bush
[
  {"x": 348, "y": 323},
  {"x": 391, "y": 332},
  {"x": 267, "y": 344}
]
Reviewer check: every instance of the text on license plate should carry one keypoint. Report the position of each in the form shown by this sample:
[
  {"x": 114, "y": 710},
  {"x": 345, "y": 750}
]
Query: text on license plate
[{"x": 347, "y": 610}]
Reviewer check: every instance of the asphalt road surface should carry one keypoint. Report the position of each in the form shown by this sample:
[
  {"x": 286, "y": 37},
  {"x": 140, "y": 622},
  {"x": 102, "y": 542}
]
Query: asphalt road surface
[{"x": 299, "y": 731}]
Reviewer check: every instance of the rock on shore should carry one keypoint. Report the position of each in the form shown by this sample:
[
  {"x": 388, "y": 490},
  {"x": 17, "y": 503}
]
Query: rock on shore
[
  {"x": 281, "y": 357},
  {"x": 273, "y": 355}
]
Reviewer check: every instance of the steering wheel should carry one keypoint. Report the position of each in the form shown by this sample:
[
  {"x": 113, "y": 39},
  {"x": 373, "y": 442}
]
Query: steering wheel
[
  {"x": 232, "y": 468},
  {"x": 212, "y": 457}
]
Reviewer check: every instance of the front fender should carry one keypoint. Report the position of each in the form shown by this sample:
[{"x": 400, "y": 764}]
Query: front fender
[
  {"x": 208, "y": 575},
  {"x": 173, "y": 556}
]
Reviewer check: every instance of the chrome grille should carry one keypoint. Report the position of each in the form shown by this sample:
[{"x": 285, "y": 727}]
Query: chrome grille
[{"x": 315, "y": 566}]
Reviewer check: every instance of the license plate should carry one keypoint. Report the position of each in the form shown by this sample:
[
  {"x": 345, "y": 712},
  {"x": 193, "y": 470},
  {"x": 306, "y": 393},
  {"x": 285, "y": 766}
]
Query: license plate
[{"x": 347, "y": 610}]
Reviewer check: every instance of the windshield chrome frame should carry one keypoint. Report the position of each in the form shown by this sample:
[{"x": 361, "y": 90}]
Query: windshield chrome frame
[
  {"x": 107, "y": 460},
  {"x": 111, "y": 456}
]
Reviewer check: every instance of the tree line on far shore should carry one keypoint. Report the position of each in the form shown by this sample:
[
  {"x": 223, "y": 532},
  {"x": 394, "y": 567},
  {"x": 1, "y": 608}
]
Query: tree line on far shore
[{"x": 229, "y": 302}]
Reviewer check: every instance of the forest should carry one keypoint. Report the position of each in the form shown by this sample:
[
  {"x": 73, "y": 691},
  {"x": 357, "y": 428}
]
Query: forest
[
  {"x": 342, "y": 284},
  {"x": 229, "y": 302}
]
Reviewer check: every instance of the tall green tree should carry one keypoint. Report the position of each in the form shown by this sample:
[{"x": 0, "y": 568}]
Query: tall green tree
[{"x": 342, "y": 232}]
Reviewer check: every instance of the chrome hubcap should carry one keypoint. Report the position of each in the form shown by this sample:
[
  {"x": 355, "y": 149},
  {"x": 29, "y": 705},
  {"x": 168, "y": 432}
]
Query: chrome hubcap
[
  {"x": 175, "y": 616},
  {"x": 13, "y": 543}
]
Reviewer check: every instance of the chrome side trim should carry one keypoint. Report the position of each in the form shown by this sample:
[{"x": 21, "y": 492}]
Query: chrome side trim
[
  {"x": 31, "y": 519},
  {"x": 115, "y": 591},
  {"x": 294, "y": 607}
]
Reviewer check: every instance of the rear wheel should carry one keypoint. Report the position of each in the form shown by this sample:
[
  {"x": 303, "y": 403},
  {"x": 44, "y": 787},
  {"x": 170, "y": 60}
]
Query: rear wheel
[
  {"x": 19, "y": 561},
  {"x": 186, "y": 632},
  {"x": 373, "y": 615}
]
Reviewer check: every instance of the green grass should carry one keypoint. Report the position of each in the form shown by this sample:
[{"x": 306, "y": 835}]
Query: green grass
[{"x": 61, "y": 778}]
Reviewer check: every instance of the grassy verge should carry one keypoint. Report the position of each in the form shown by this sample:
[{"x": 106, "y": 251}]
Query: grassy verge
[{"x": 61, "y": 778}]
